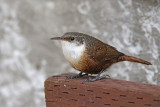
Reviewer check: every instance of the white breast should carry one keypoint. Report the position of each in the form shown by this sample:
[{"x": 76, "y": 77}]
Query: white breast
[{"x": 71, "y": 51}]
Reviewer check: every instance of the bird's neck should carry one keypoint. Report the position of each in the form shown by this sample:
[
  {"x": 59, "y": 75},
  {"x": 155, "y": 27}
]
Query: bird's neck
[{"x": 72, "y": 51}]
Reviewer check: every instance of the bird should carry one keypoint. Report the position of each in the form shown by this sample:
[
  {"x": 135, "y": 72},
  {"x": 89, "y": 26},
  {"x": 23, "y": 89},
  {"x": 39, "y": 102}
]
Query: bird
[{"x": 89, "y": 55}]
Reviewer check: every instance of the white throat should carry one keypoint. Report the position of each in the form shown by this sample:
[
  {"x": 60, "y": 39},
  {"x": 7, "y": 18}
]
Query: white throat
[{"x": 71, "y": 51}]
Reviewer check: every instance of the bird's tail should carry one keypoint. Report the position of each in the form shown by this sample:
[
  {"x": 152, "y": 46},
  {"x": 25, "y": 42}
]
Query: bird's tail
[{"x": 133, "y": 59}]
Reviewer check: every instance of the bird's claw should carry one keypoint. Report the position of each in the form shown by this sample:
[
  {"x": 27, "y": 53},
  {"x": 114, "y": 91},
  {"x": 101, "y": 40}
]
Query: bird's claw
[
  {"x": 75, "y": 76},
  {"x": 70, "y": 77},
  {"x": 89, "y": 79},
  {"x": 105, "y": 76}
]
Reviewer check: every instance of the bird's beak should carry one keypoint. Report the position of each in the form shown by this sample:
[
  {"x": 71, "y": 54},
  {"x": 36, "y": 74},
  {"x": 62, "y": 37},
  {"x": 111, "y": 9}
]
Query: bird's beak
[{"x": 58, "y": 38}]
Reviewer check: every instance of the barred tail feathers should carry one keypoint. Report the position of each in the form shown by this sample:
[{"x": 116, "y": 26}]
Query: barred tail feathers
[{"x": 133, "y": 59}]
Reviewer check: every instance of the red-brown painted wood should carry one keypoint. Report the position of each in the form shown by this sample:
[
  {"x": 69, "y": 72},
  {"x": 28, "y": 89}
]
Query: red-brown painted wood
[{"x": 62, "y": 92}]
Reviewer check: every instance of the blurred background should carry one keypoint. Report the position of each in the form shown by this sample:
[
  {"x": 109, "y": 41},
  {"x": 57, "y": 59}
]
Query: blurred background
[{"x": 28, "y": 56}]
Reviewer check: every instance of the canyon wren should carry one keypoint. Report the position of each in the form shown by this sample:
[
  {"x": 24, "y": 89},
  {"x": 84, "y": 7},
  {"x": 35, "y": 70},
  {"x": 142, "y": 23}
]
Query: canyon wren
[{"x": 90, "y": 55}]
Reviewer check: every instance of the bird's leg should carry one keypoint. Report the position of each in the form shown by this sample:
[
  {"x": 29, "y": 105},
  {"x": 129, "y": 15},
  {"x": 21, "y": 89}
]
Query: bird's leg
[
  {"x": 98, "y": 77},
  {"x": 76, "y": 76}
]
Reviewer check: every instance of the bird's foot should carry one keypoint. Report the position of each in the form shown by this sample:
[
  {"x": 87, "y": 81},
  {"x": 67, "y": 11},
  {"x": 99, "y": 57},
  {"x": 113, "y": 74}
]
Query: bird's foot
[
  {"x": 96, "y": 78},
  {"x": 75, "y": 76},
  {"x": 105, "y": 76},
  {"x": 89, "y": 79}
]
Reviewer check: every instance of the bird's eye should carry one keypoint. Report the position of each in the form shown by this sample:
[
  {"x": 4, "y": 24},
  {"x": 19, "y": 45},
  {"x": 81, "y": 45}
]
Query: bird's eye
[{"x": 72, "y": 38}]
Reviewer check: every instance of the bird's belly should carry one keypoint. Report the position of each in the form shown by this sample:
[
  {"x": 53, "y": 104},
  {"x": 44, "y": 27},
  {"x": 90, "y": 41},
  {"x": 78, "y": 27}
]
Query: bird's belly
[
  {"x": 79, "y": 59},
  {"x": 86, "y": 64}
]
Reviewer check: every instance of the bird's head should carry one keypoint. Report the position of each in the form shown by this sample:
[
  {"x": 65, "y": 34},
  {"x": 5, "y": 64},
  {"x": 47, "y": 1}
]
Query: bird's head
[{"x": 72, "y": 38}]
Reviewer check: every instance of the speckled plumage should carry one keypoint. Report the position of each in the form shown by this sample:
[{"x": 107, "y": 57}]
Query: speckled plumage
[{"x": 96, "y": 57}]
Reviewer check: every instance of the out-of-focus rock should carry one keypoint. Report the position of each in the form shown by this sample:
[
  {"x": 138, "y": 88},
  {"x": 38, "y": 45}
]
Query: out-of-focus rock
[{"x": 28, "y": 56}]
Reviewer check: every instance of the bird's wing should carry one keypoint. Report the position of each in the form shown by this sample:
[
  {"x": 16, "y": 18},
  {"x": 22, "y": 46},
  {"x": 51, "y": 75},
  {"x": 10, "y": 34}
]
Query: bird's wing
[{"x": 102, "y": 52}]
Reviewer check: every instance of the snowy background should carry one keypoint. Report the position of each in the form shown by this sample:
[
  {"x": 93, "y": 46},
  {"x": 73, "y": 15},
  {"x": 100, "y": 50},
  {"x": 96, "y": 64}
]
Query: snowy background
[{"x": 28, "y": 57}]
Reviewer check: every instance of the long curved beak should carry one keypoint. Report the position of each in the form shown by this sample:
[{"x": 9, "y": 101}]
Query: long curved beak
[{"x": 57, "y": 38}]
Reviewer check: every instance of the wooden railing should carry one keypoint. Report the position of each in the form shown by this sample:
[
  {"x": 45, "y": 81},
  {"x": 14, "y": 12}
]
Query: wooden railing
[{"x": 62, "y": 92}]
